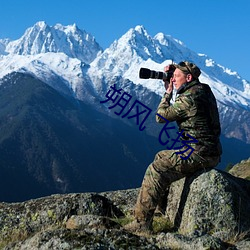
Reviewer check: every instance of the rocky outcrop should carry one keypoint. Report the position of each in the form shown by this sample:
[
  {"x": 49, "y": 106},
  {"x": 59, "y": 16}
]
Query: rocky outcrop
[
  {"x": 241, "y": 169},
  {"x": 210, "y": 202},
  {"x": 209, "y": 210}
]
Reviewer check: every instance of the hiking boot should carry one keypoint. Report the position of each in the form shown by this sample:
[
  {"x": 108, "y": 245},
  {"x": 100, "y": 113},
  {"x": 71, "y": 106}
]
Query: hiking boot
[{"x": 136, "y": 226}]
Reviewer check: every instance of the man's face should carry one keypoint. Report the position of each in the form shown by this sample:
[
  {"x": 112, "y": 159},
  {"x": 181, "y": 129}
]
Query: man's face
[{"x": 179, "y": 78}]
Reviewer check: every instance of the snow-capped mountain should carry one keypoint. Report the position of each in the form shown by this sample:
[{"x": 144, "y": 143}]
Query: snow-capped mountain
[
  {"x": 52, "y": 53},
  {"x": 71, "y": 61},
  {"x": 124, "y": 58},
  {"x": 137, "y": 49},
  {"x": 41, "y": 38}
]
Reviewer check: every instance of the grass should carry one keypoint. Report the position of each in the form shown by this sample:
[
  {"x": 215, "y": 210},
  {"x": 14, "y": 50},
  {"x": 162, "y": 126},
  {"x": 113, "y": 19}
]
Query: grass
[
  {"x": 160, "y": 223},
  {"x": 123, "y": 220}
]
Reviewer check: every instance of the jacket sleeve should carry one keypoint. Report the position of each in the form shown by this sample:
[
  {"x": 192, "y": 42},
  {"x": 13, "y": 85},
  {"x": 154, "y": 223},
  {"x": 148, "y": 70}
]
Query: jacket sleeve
[{"x": 182, "y": 108}]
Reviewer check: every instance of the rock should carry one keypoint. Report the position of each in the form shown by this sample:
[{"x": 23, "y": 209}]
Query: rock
[
  {"x": 243, "y": 245},
  {"x": 90, "y": 221},
  {"x": 63, "y": 239},
  {"x": 20, "y": 220},
  {"x": 209, "y": 210},
  {"x": 241, "y": 169},
  {"x": 178, "y": 241},
  {"x": 212, "y": 202},
  {"x": 124, "y": 199}
]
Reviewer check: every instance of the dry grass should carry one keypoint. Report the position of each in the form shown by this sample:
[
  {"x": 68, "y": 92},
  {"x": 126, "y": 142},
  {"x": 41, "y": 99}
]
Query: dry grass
[
  {"x": 238, "y": 237},
  {"x": 160, "y": 223}
]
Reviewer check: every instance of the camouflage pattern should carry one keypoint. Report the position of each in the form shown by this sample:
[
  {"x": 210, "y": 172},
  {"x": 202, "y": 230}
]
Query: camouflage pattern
[
  {"x": 166, "y": 168},
  {"x": 195, "y": 111}
]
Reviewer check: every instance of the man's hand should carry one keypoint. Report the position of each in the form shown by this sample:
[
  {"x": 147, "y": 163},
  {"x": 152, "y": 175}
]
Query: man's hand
[{"x": 168, "y": 85}]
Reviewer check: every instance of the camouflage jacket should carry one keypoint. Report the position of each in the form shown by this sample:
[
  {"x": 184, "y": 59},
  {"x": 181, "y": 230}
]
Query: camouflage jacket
[{"x": 195, "y": 111}]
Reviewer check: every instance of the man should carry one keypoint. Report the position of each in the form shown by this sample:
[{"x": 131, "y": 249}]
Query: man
[{"x": 195, "y": 111}]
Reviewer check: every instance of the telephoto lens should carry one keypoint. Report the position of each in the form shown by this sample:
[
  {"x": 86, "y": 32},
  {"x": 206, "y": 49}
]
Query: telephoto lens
[{"x": 145, "y": 73}]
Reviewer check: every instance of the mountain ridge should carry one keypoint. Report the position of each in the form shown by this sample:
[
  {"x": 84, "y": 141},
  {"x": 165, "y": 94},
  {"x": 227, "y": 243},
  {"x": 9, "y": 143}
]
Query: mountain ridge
[
  {"x": 134, "y": 49},
  {"x": 42, "y": 38}
]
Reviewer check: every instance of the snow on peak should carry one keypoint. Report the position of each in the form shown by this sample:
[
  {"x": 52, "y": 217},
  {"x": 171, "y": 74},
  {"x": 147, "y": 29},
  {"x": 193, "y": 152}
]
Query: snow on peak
[
  {"x": 69, "y": 29},
  {"x": 42, "y": 38},
  {"x": 41, "y": 24},
  {"x": 136, "y": 49},
  {"x": 140, "y": 29},
  {"x": 167, "y": 39},
  {"x": 134, "y": 37},
  {"x": 3, "y": 44},
  {"x": 132, "y": 48}
]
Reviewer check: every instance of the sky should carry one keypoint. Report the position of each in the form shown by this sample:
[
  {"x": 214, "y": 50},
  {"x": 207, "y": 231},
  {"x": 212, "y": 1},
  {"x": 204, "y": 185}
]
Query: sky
[{"x": 217, "y": 28}]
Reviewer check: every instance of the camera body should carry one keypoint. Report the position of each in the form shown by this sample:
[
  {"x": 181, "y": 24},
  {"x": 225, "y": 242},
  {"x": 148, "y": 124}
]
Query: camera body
[{"x": 146, "y": 73}]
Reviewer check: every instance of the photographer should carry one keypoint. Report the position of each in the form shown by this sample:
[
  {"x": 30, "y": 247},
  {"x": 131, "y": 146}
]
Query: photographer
[{"x": 195, "y": 111}]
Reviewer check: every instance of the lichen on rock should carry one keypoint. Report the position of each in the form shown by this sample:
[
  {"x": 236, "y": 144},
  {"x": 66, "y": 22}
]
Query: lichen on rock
[{"x": 211, "y": 202}]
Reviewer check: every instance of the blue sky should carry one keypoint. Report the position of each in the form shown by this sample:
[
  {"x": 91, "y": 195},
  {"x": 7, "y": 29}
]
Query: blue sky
[{"x": 218, "y": 28}]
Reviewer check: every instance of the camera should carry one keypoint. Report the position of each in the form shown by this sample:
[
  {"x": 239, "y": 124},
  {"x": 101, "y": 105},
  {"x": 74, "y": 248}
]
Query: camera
[{"x": 145, "y": 73}]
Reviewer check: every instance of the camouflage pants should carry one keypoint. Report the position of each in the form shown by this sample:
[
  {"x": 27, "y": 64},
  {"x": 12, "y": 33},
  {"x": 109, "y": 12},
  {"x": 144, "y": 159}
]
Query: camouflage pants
[{"x": 166, "y": 168}]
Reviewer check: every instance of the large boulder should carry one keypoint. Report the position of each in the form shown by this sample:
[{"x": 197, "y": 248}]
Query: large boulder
[{"x": 210, "y": 202}]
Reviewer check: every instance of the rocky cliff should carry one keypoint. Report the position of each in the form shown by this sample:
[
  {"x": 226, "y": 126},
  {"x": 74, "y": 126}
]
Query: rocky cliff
[{"x": 207, "y": 211}]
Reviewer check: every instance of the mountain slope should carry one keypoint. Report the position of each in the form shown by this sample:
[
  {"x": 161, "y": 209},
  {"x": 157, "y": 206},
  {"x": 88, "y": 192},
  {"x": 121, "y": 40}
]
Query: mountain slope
[
  {"x": 63, "y": 73},
  {"x": 52, "y": 144}
]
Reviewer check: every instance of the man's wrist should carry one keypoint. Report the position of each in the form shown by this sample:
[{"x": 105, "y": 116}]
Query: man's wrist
[{"x": 167, "y": 95}]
